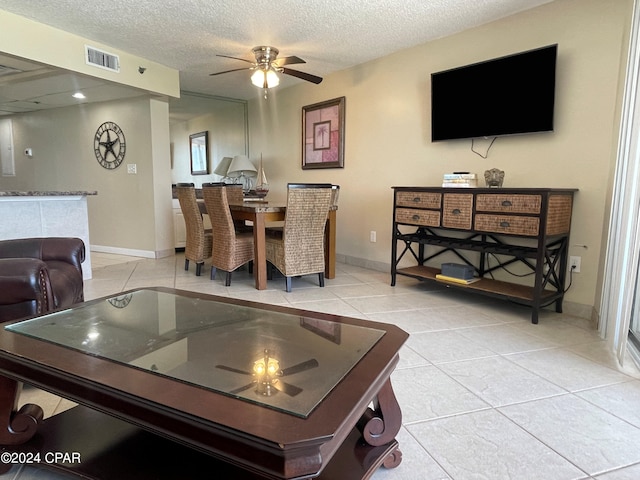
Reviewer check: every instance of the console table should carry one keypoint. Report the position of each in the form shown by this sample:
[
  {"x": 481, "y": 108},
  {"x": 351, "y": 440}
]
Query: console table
[{"x": 505, "y": 226}]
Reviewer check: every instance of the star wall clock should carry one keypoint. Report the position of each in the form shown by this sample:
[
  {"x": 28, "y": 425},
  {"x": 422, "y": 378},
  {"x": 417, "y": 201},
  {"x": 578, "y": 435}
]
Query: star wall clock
[
  {"x": 109, "y": 145},
  {"x": 120, "y": 301}
]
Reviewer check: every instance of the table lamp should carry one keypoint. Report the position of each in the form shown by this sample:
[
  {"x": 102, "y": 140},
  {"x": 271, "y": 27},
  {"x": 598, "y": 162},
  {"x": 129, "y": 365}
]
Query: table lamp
[
  {"x": 223, "y": 168},
  {"x": 240, "y": 169}
]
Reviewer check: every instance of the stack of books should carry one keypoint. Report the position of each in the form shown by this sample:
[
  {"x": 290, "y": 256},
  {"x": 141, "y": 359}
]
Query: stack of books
[
  {"x": 460, "y": 180},
  {"x": 460, "y": 281}
]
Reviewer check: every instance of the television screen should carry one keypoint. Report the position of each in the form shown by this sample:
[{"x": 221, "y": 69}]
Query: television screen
[{"x": 505, "y": 96}]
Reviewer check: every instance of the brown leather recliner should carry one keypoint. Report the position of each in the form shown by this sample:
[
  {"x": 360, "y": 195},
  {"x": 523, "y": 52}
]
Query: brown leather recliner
[{"x": 38, "y": 275}]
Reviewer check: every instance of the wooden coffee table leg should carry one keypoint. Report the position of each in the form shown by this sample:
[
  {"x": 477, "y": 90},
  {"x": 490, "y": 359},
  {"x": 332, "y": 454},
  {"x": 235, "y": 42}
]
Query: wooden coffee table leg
[
  {"x": 381, "y": 424},
  {"x": 393, "y": 458},
  {"x": 18, "y": 426}
]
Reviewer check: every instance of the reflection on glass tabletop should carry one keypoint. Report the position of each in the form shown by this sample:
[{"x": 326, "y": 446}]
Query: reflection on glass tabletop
[{"x": 280, "y": 360}]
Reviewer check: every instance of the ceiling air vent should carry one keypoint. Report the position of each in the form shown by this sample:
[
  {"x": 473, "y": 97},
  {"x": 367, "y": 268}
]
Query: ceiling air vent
[{"x": 101, "y": 59}]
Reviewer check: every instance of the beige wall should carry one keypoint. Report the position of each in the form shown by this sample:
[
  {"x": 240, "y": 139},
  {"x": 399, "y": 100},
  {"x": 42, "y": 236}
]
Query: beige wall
[
  {"x": 160, "y": 169},
  {"x": 226, "y": 122},
  {"x": 387, "y": 136},
  {"x": 28, "y": 39},
  {"x": 388, "y": 128},
  {"x": 131, "y": 213}
]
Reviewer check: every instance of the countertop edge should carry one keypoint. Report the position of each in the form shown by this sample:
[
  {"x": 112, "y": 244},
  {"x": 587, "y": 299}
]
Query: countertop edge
[{"x": 47, "y": 193}]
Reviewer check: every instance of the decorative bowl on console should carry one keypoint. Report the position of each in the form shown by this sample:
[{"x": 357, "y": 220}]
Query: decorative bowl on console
[{"x": 494, "y": 177}]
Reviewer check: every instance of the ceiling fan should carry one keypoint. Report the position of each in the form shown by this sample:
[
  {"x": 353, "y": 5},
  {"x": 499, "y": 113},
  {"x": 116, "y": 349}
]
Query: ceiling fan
[
  {"x": 267, "y": 66},
  {"x": 266, "y": 374}
]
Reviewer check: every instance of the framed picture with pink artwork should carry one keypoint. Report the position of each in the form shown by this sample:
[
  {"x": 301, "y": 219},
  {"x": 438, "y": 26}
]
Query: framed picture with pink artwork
[{"x": 323, "y": 134}]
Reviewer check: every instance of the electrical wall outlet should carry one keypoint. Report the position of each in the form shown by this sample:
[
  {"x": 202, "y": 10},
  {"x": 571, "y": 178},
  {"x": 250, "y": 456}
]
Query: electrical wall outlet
[
  {"x": 372, "y": 236},
  {"x": 574, "y": 264}
]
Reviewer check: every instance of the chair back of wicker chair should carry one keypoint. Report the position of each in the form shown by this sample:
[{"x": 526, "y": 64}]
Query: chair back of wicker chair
[
  {"x": 231, "y": 249},
  {"x": 234, "y": 193},
  {"x": 300, "y": 250},
  {"x": 335, "y": 194},
  {"x": 198, "y": 243}
]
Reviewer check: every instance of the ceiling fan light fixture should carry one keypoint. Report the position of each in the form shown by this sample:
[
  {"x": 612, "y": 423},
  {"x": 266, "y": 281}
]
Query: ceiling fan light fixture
[
  {"x": 268, "y": 66},
  {"x": 258, "y": 78}
]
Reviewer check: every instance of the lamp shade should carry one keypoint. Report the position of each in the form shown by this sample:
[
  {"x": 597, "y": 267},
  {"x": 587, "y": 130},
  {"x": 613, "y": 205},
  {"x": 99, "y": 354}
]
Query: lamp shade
[
  {"x": 223, "y": 167},
  {"x": 241, "y": 165}
]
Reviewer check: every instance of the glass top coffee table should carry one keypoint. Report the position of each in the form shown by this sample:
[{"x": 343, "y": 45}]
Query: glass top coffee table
[{"x": 270, "y": 391}]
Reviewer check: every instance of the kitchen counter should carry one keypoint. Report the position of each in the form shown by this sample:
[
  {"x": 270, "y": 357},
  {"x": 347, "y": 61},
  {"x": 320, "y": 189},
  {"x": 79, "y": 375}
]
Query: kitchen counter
[
  {"x": 47, "y": 214},
  {"x": 46, "y": 193}
]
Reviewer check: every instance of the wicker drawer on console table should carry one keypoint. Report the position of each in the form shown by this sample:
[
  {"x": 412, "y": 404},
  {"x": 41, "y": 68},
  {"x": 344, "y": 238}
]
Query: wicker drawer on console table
[
  {"x": 530, "y": 226},
  {"x": 457, "y": 210},
  {"x": 418, "y": 217}
]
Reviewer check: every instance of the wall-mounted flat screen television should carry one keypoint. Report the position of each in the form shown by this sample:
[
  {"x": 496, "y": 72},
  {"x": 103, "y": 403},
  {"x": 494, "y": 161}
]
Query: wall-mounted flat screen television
[{"x": 505, "y": 96}]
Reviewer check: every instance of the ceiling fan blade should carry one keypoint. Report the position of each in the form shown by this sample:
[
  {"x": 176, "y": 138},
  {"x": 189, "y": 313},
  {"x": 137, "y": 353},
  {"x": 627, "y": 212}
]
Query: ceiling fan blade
[
  {"x": 235, "y": 58},
  {"x": 290, "y": 390},
  {"x": 288, "y": 61},
  {"x": 234, "y": 370},
  {"x": 300, "y": 367},
  {"x": 227, "y": 71},
  {"x": 243, "y": 388},
  {"x": 304, "y": 76}
]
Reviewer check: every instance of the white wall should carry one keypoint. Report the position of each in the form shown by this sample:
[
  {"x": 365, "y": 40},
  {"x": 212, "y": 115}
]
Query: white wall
[
  {"x": 388, "y": 128},
  {"x": 7, "y": 156}
]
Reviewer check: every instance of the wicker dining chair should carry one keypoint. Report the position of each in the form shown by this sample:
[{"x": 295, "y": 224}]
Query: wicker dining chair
[
  {"x": 231, "y": 249},
  {"x": 335, "y": 194},
  {"x": 234, "y": 195},
  {"x": 199, "y": 242},
  {"x": 298, "y": 248}
]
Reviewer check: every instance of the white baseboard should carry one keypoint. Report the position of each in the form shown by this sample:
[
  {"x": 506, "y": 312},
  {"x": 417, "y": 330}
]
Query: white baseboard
[
  {"x": 124, "y": 251},
  {"x": 364, "y": 263},
  {"x": 582, "y": 311},
  {"x": 165, "y": 253}
]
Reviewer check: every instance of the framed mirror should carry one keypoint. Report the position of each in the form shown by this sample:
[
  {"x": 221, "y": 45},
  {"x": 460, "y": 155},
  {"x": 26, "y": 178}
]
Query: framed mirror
[{"x": 199, "y": 148}]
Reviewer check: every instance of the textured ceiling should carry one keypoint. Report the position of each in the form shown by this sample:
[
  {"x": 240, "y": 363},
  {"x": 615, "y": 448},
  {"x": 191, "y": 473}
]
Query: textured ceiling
[{"x": 331, "y": 35}]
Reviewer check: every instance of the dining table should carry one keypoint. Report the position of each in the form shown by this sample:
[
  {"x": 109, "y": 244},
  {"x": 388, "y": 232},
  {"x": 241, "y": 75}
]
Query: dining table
[{"x": 260, "y": 213}]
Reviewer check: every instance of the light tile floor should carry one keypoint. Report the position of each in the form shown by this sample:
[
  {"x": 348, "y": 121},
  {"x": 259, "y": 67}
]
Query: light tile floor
[{"x": 484, "y": 393}]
